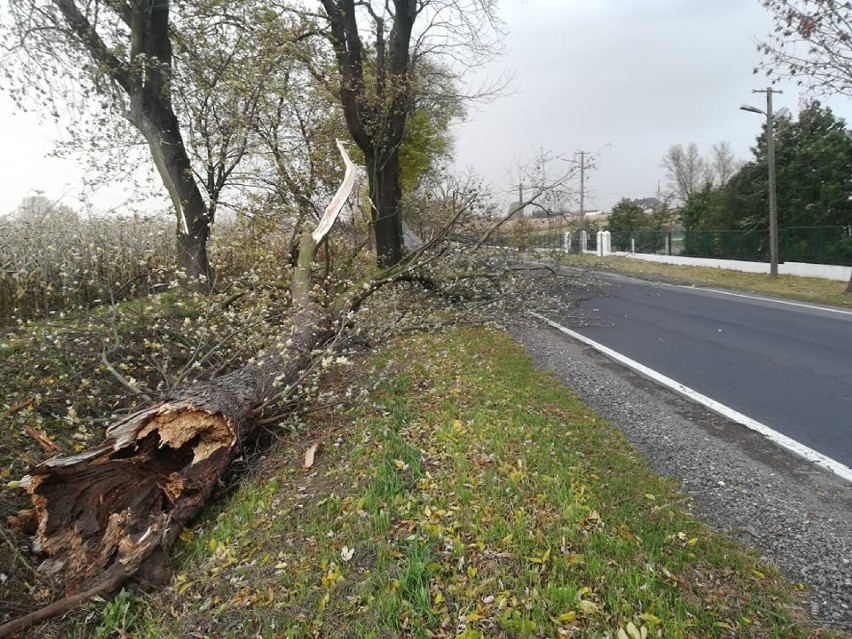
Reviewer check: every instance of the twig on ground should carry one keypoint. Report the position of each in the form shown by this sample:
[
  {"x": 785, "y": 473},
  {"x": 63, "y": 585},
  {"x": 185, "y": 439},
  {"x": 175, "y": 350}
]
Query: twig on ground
[
  {"x": 19, "y": 406},
  {"x": 123, "y": 380},
  {"x": 47, "y": 445},
  {"x": 112, "y": 580}
]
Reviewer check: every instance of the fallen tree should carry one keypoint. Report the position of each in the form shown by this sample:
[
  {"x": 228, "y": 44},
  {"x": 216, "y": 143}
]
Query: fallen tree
[{"x": 108, "y": 514}]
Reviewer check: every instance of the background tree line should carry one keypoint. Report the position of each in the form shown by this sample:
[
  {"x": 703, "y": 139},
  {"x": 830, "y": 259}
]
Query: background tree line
[
  {"x": 239, "y": 102},
  {"x": 813, "y": 155}
]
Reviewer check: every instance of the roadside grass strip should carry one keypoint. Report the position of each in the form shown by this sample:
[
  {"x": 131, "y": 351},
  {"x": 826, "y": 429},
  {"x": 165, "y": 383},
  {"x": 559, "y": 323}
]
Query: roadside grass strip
[{"x": 470, "y": 496}]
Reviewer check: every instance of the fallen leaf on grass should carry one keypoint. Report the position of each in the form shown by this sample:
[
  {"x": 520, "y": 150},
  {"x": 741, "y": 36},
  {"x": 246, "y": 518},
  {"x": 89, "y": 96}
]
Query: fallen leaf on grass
[
  {"x": 647, "y": 617},
  {"x": 310, "y": 454},
  {"x": 588, "y": 607},
  {"x": 540, "y": 560},
  {"x": 182, "y": 584},
  {"x": 632, "y": 632}
]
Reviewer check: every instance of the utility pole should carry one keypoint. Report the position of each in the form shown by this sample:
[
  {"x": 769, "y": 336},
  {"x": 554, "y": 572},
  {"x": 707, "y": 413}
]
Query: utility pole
[
  {"x": 773, "y": 202},
  {"x": 582, "y": 155}
]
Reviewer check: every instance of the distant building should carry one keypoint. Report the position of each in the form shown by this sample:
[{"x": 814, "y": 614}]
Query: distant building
[
  {"x": 649, "y": 204},
  {"x": 576, "y": 214}
]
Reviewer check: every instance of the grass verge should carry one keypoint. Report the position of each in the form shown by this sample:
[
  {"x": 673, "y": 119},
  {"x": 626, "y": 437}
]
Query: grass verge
[
  {"x": 810, "y": 289},
  {"x": 469, "y": 496}
]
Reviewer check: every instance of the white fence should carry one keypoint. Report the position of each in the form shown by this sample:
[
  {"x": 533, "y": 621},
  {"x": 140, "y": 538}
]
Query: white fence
[
  {"x": 571, "y": 241},
  {"x": 800, "y": 269},
  {"x": 603, "y": 245}
]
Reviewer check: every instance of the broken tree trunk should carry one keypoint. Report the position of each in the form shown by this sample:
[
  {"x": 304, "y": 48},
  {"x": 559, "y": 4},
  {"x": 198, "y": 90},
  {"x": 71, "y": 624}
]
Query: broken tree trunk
[
  {"x": 108, "y": 513},
  {"x": 113, "y": 505}
]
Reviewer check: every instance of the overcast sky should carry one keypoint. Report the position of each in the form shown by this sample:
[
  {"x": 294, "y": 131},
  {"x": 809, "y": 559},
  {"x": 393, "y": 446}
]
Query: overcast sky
[
  {"x": 621, "y": 79},
  {"x": 625, "y": 80}
]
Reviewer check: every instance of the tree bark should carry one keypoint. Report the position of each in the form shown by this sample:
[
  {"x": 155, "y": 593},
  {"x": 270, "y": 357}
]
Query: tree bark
[
  {"x": 385, "y": 196},
  {"x": 158, "y": 124},
  {"x": 377, "y": 122},
  {"x": 145, "y": 78}
]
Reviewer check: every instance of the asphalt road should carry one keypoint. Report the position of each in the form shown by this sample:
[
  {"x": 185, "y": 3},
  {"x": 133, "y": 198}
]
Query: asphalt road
[{"x": 787, "y": 366}]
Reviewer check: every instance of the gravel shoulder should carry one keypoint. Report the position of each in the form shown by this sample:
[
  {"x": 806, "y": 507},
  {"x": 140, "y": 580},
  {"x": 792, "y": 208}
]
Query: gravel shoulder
[{"x": 796, "y": 515}]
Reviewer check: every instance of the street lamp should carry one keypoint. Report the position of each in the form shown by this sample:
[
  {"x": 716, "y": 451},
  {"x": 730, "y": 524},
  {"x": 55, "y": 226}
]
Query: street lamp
[{"x": 770, "y": 153}]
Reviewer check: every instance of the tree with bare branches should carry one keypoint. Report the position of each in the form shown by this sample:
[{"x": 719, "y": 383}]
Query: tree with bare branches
[
  {"x": 811, "y": 42},
  {"x": 722, "y": 164},
  {"x": 686, "y": 170}
]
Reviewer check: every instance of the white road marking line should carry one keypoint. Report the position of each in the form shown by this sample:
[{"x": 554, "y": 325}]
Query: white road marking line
[{"x": 780, "y": 439}]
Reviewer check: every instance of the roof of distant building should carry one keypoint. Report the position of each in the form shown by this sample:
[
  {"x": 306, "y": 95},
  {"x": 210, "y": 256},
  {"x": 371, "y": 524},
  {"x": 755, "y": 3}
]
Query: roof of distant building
[{"x": 648, "y": 202}]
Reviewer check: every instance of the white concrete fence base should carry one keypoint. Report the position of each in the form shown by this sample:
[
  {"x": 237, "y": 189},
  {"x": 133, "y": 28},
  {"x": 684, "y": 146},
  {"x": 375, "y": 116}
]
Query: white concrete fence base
[
  {"x": 799, "y": 269},
  {"x": 604, "y": 243}
]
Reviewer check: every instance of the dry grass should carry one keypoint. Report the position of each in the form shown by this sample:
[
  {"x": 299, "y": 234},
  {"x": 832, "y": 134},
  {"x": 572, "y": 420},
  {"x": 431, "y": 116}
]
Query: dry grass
[{"x": 66, "y": 264}]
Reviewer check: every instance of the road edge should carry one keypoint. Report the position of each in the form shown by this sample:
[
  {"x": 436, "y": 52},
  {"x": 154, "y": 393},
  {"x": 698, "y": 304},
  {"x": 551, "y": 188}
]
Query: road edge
[{"x": 809, "y": 454}]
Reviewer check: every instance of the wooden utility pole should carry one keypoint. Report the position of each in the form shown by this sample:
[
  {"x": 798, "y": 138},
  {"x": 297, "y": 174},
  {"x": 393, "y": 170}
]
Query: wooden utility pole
[
  {"x": 773, "y": 201},
  {"x": 582, "y": 155}
]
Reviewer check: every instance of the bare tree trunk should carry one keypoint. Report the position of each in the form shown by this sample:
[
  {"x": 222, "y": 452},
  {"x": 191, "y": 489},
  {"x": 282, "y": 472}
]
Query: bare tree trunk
[
  {"x": 160, "y": 128},
  {"x": 385, "y": 197},
  {"x": 153, "y": 115},
  {"x": 849, "y": 286}
]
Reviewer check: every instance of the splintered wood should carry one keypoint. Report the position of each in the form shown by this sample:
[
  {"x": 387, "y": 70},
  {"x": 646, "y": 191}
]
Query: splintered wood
[
  {"x": 210, "y": 432},
  {"x": 114, "y": 507}
]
